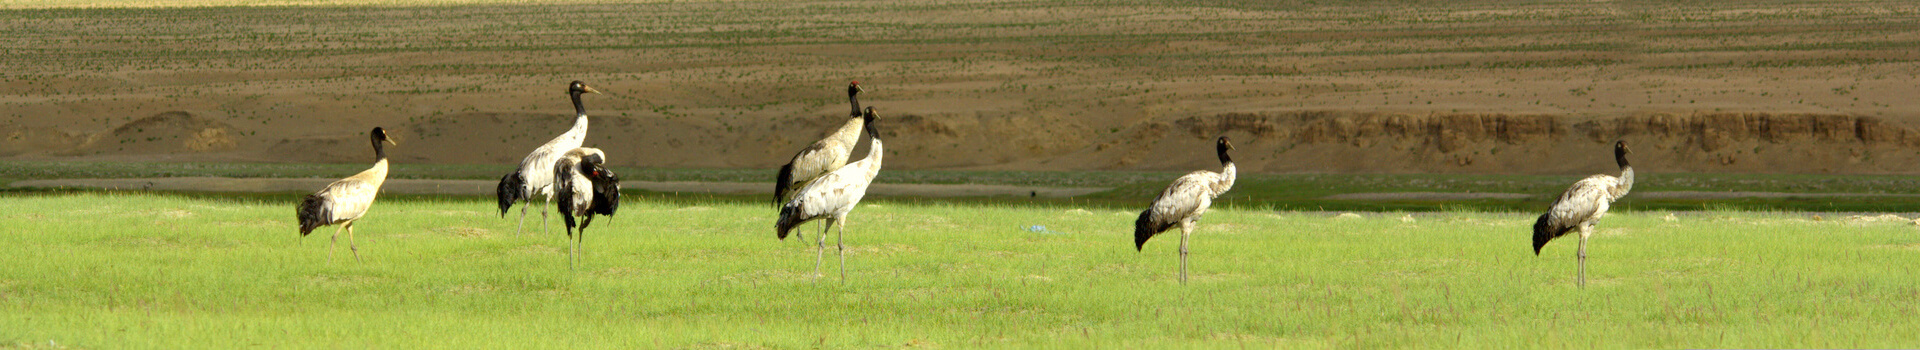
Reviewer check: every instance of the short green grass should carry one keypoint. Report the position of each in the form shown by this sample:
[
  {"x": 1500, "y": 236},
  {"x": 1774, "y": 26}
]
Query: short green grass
[
  {"x": 1130, "y": 188},
  {"x": 116, "y": 270}
]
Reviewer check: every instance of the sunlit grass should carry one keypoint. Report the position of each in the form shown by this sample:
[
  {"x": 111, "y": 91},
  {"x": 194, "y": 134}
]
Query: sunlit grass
[{"x": 125, "y": 270}]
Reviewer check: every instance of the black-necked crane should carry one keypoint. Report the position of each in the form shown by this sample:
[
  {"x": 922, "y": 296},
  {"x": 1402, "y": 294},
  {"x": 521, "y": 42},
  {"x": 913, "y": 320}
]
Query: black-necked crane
[
  {"x": 1183, "y": 202},
  {"x": 534, "y": 177},
  {"x": 585, "y": 188},
  {"x": 345, "y": 201},
  {"x": 1582, "y": 206},
  {"x": 826, "y": 155},
  {"x": 831, "y": 197}
]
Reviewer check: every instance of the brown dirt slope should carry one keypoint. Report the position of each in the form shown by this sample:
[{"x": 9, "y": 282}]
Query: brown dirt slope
[{"x": 1334, "y": 86}]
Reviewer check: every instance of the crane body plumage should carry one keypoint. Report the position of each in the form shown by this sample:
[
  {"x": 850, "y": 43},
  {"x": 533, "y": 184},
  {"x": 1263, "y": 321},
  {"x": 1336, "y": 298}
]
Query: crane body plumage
[
  {"x": 346, "y": 200},
  {"x": 823, "y": 156},
  {"x": 585, "y": 188},
  {"x": 1582, "y": 206},
  {"x": 534, "y": 177},
  {"x": 830, "y": 198},
  {"x": 1184, "y": 202}
]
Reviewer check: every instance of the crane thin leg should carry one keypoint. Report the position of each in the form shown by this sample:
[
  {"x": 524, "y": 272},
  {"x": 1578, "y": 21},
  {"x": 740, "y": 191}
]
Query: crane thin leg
[
  {"x": 1186, "y": 229},
  {"x": 1584, "y": 232},
  {"x": 840, "y": 239},
  {"x": 351, "y": 246}
]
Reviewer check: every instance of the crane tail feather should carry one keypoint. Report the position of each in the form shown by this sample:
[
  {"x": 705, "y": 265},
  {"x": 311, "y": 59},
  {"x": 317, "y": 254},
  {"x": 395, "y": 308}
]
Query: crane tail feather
[
  {"x": 512, "y": 189},
  {"x": 790, "y": 217},
  {"x": 781, "y": 185},
  {"x": 1145, "y": 228},
  {"x": 313, "y": 213},
  {"x": 1544, "y": 231}
]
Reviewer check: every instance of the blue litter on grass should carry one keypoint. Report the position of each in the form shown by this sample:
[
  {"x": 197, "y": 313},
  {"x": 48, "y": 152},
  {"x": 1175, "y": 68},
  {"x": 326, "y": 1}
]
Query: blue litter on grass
[{"x": 1043, "y": 230}]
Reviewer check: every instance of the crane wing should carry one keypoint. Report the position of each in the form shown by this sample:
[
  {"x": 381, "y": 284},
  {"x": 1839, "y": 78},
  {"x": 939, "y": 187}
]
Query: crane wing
[
  {"x": 819, "y": 159},
  {"x": 349, "y": 198},
  {"x": 1187, "y": 195},
  {"x": 1586, "y": 200}
]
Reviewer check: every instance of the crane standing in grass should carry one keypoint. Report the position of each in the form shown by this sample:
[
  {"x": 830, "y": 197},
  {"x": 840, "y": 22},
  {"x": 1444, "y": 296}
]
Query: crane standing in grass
[
  {"x": 826, "y": 155},
  {"x": 586, "y": 188},
  {"x": 831, "y": 197},
  {"x": 344, "y": 201},
  {"x": 535, "y": 175},
  {"x": 1582, "y": 206},
  {"x": 1184, "y": 202}
]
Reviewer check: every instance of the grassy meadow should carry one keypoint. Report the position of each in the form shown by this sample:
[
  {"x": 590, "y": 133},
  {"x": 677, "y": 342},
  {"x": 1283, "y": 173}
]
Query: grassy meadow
[{"x": 99, "y": 269}]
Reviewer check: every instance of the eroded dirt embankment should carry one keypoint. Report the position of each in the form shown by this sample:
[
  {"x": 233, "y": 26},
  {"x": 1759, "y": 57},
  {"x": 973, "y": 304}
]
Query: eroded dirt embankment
[
  {"x": 1297, "y": 141},
  {"x": 1519, "y": 143}
]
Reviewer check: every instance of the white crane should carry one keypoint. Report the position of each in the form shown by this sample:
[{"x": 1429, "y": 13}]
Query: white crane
[
  {"x": 535, "y": 175},
  {"x": 831, "y": 197},
  {"x": 1582, "y": 206},
  {"x": 1184, "y": 202},
  {"x": 586, "y": 188},
  {"x": 826, "y": 155},
  {"x": 344, "y": 201}
]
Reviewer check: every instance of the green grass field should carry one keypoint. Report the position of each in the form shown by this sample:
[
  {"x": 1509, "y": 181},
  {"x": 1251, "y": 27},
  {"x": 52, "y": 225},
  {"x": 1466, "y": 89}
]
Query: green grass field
[
  {"x": 113, "y": 270},
  {"x": 1131, "y": 188}
]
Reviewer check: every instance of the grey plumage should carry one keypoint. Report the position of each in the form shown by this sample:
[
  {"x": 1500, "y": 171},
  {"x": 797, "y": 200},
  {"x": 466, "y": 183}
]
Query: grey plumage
[
  {"x": 1184, "y": 202},
  {"x": 827, "y": 154},
  {"x": 1582, "y": 205},
  {"x": 831, "y": 197},
  {"x": 344, "y": 201},
  {"x": 585, "y": 188},
  {"x": 534, "y": 177}
]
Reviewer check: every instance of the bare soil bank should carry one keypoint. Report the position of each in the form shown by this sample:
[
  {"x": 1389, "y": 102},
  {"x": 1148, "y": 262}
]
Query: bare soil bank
[
  {"x": 1307, "y": 141},
  {"x": 479, "y": 187},
  {"x": 1529, "y": 87}
]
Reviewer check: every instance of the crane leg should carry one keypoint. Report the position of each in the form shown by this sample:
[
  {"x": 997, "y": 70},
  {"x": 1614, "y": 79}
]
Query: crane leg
[
  {"x": 580, "y": 240},
  {"x": 1584, "y": 232},
  {"x": 820, "y": 250},
  {"x": 524, "y": 203},
  {"x": 569, "y": 249},
  {"x": 543, "y": 215},
  {"x": 330, "y": 246},
  {"x": 840, "y": 239},
  {"x": 1186, "y": 229},
  {"x": 351, "y": 246}
]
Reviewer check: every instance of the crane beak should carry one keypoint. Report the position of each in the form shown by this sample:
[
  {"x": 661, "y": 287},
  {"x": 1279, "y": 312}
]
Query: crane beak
[{"x": 589, "y": 89}]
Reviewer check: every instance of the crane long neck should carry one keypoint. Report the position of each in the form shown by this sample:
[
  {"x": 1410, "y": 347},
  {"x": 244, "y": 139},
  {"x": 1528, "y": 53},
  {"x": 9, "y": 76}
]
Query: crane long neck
[
  {"x": 1626, "y": 172},
  {"x": 874, "y": 154},
  {"x": 850, "y": 132},
  {"x": 853, "y": 97},
  {"x": 578, "y": 109},
  {"x": 379, "y": 150},
  {"x": 1228, "y": 174}
]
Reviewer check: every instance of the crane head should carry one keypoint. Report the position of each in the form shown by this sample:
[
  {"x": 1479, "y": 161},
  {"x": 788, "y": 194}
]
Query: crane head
[
  {"x": 854, "y": 88},
  {"x": 1224, "y": 144},
  {"x": 869, "y": 117},
  {"x": 1621, "y": 147},
  {"x": 580, "y": 87},
  {"x": 380, "y": 135}
]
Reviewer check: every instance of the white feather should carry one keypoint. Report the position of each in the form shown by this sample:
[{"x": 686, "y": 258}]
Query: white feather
[{"x": 537, "y": 167}]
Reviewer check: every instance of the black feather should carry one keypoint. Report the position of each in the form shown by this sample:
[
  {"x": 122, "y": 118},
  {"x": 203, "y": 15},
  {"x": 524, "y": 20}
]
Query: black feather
[
  {"x": 314, "y": 212},
  {"x": 780, "y": 185},
  {"x": 1544, "y": 231},
  {"x": 564, "y": 215},
  {"x": 1145, "y": 228},
  {"x": 789, "y": 218},
  {"x": 606, "y": 192},
  {"x": 512, "y": 189}
]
